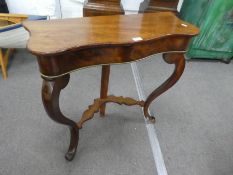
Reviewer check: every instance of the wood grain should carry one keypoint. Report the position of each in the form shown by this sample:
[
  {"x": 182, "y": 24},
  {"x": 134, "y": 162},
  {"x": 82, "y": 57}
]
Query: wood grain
[
  {"x": 51, "y": 90},
  {"x": 3, "y": 65},
  {"x": 58, "y": 65},
  {"x": 158, "y": 6},
  {"x": 59, "y": 36},
  {"x": 103, "y": 8},
  {"x": 104, "y": 86},
  {"x": 171, "y": 58},
  {"x": 94, "y": 108},
  {"x": 14, "y": 18},
  {"x": 63, "y": 46}
]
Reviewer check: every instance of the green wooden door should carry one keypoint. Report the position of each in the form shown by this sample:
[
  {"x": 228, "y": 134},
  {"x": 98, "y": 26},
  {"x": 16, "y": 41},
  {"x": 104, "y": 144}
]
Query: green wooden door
[{"x": 215, "y": 20}]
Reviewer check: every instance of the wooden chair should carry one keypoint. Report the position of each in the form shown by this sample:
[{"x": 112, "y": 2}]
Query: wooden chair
[{"x": 7, "y": 20}]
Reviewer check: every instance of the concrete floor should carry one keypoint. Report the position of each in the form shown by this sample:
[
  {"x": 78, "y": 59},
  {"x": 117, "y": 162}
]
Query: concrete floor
[{"x": 194, "y": 122}]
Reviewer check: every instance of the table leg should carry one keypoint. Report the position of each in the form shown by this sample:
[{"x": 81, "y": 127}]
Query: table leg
[
  {"x": 170, "y": 58},
  {"x": 104, "y": 86},
  {"x": 50, "y": 96}
]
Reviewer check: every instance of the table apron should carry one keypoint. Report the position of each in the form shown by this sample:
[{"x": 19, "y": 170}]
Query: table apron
[{"x": 53, "y": 66}]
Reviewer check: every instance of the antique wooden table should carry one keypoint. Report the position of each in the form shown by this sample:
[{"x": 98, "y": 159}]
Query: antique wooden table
[{"x": 64, "y": 46}]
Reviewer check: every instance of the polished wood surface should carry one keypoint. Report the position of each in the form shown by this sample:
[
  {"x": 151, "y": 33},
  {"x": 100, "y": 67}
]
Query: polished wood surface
[
  {"x": 96, "y": 106},
  {"x": 171, "y": 58},
  {"x": 104, "y": 86},
  {"x": 50, "y": 96},
  {"x": 159, "y": 6},
  {"x": 63, "y": 46},
  {"x": 59, "y": 36},
  {"x": 3, "y": 65},
  {"x": 103, "y": 8}
]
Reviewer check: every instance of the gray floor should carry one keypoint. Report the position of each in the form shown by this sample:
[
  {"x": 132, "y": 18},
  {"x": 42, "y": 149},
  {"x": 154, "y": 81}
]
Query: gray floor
[
  {"x": 32, "y": 144},
  {"x": 194, "y": 118},
  {"x": 194, "y": 122}
]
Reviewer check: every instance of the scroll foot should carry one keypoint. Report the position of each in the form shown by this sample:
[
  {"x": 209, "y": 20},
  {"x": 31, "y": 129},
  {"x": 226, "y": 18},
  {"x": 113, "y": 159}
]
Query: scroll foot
[{"x": 151, "y": 119}]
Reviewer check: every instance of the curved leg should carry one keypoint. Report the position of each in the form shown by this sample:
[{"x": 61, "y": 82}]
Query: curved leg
[
  {"x": 50, "y": 96},
  {"x": 170, "y": 58}
]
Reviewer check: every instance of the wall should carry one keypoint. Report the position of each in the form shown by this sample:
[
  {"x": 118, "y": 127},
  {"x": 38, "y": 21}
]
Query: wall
[{"x": 33, "y": 7}]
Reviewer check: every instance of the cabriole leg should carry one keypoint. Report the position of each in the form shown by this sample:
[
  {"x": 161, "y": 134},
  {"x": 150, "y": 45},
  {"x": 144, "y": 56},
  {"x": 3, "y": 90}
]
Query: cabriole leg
[
  {"x": 170, "y": 58},
  {"x": 50, "y": 96}
]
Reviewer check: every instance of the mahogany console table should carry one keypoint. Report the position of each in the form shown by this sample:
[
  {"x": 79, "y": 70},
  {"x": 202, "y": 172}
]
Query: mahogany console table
[{"x": 64, "y": 46}]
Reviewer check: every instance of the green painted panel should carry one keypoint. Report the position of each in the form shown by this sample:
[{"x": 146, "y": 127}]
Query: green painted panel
[{"x": 215, "y": 20}]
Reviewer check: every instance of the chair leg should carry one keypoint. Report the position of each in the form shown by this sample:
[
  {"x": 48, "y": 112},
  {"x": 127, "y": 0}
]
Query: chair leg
[
  {"x": 7, "y": 55},
  {"x": 3, "y": 65}
]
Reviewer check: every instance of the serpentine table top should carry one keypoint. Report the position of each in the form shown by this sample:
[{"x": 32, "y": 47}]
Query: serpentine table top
[
  {"x": 56, "y": 37},
  {"x": 63, "y": 46}
]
